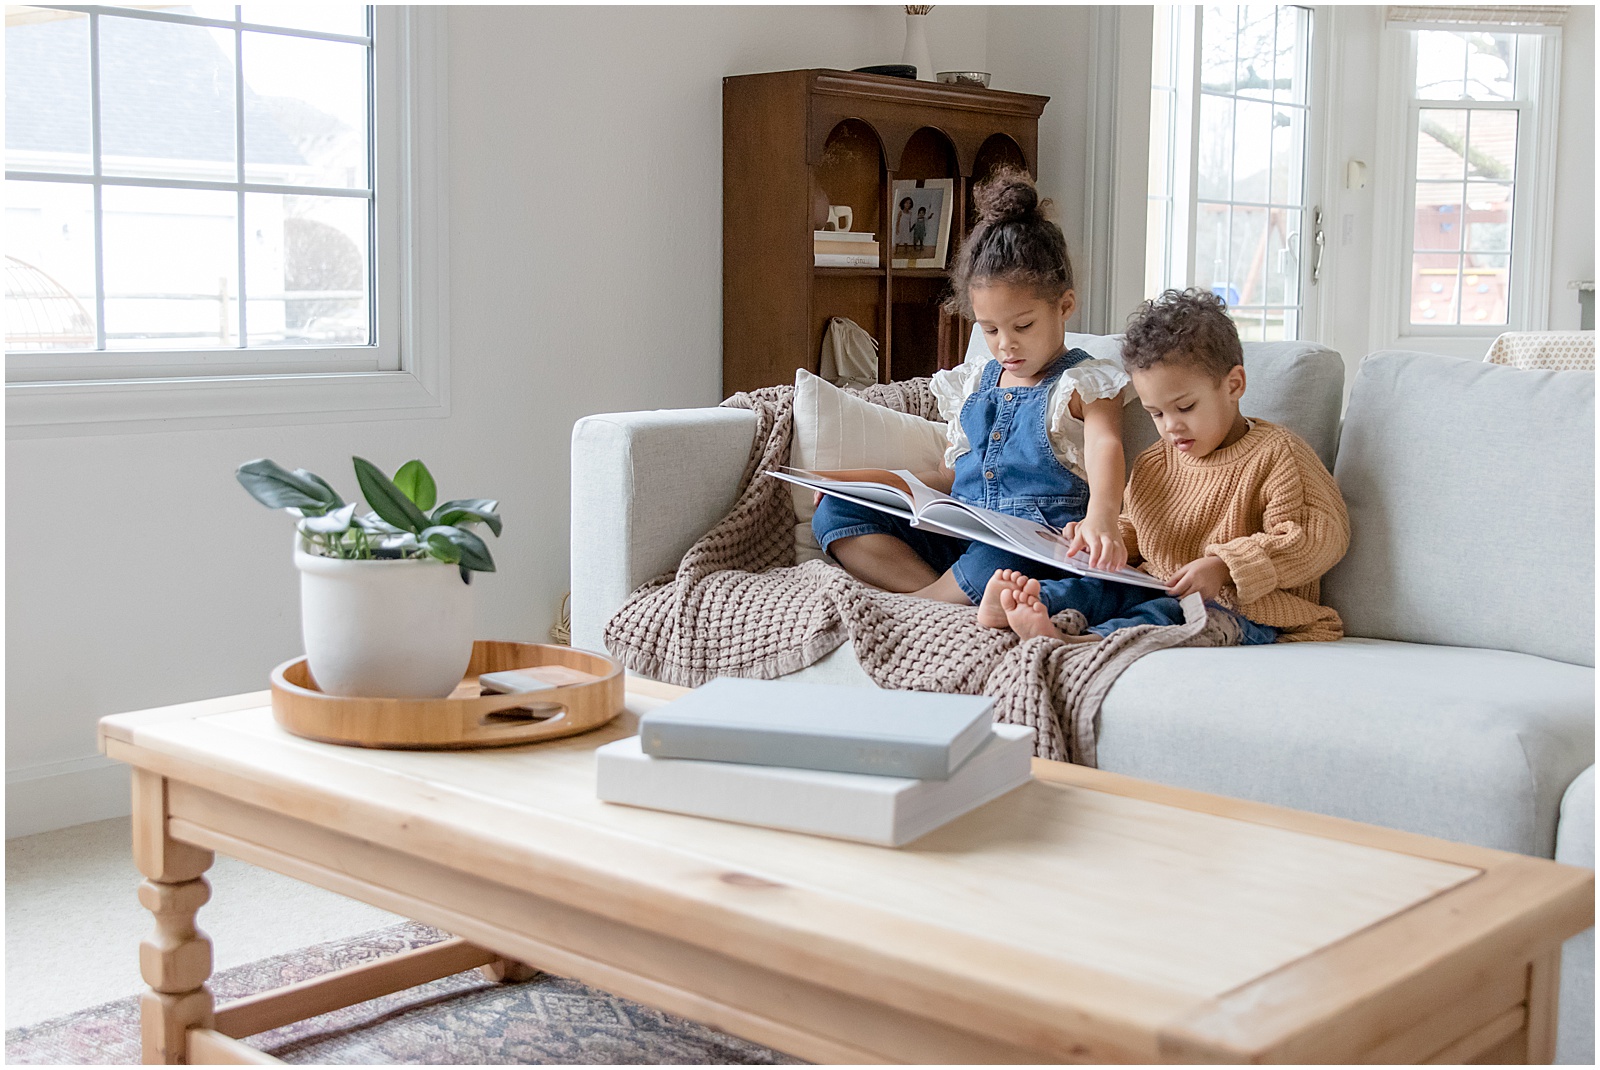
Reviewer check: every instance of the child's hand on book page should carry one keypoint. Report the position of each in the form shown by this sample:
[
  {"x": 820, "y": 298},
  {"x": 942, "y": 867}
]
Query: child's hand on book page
[
  {"x": 1101, "y": 540},
  {"x": 1204, "y": 576}
]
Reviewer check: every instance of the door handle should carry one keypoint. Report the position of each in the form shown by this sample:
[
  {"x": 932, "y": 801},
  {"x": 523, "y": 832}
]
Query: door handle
[{"x": 1320, "y": 241}]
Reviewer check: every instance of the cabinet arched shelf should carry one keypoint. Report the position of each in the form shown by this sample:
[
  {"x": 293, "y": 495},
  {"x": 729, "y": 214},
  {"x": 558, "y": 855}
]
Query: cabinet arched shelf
[{"x": 777, "y": 131}]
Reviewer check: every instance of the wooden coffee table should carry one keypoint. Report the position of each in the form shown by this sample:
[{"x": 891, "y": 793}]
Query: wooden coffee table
[{"x": 1086, "y": 917}]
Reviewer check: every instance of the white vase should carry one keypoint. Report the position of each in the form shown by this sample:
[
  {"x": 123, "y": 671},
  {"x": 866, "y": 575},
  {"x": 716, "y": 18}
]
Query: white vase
[
  {"x": 384, "y": 629},
  {"x": 916, "y": 50}
]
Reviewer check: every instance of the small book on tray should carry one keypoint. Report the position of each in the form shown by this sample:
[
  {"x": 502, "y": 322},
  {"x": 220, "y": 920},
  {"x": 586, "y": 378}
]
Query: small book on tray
[
  {"x": 902, "y": 494},
  {"x": 891, "y": 811},
  {"x": 818, "y": 726}
]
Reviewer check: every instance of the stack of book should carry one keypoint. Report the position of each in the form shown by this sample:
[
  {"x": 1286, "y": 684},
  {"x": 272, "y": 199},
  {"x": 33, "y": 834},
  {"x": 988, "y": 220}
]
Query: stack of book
[
  {"x": 854, "y": 763},
  {"x": 844, "y": 248}
]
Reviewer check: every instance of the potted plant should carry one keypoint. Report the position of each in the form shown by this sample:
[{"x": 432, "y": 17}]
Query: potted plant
[{"x": 385, "y": 597}]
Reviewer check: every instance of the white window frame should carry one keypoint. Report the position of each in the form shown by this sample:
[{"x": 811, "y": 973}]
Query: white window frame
[
  {"x": 1532, "y": 210},
  {"x": 405, "y": 374},
  {"x": 1180, "y": 242}
]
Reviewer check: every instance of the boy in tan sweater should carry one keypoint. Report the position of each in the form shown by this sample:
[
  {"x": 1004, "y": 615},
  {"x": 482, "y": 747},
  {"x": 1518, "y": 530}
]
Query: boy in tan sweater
[{"x": 1240, "y": 511}]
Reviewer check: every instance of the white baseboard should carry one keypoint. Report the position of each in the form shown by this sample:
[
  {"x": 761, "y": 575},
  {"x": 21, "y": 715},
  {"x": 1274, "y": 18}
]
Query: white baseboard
[{"x": 56, "y": 795}]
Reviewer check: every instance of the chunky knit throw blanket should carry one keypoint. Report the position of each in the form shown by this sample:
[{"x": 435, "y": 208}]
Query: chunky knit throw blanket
[{"x": 738, "y": 605}]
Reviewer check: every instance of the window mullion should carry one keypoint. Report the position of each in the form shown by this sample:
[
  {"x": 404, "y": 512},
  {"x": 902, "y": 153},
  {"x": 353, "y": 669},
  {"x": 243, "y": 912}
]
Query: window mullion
[
  {"x": 94, "y": 166},
  {"x": 238, "y": 173}
]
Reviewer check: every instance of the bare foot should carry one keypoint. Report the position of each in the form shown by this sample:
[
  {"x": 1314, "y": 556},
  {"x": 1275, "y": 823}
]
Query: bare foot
[
  {"x": 991, "y": 613},
  {"x": 1030, "y": 619}
]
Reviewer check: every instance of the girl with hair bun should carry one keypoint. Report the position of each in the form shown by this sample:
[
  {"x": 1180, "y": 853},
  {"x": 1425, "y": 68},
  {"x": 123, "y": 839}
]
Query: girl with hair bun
[{"x": 1034, "y": 429}]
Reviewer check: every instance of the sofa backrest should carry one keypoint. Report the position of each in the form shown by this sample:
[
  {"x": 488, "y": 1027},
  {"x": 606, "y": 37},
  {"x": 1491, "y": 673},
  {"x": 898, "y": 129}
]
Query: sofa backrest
[
  {"x": 1297, "y": 384},
  {"x": 1471, "y": 495}
]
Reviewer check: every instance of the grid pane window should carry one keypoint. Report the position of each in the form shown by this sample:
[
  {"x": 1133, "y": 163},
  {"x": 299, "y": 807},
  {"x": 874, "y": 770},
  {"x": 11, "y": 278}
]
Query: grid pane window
[
  {"x": 48, "y": 116},
  {"x": 50, "y": 267},
  {"x": 1464, "y": 179},
  {"x": 1250, "y": 187},
  {"x": 1162, "y": 188},
  {"x": 189, "y": 177}
]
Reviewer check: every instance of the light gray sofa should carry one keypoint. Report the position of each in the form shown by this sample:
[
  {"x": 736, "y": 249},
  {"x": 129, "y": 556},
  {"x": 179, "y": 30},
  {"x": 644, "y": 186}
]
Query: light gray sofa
[{"x": 1460, "y": 705}]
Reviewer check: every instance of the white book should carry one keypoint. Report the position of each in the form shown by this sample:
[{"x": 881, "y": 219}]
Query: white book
[
  {"x": 891, "y": 811},
  {"x": 844, "y": 260},
  {"x": 902, "y": 494},
  {"x": 844, "y": 235}
]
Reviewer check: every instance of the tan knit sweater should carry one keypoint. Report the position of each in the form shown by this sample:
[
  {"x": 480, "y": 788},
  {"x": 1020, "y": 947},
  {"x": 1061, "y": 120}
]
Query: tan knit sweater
[{"x": 1265, "y": 505}]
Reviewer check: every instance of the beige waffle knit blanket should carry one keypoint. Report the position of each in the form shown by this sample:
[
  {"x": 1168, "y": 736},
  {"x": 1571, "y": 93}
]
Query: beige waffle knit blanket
[{"x": 739, "y": 606}]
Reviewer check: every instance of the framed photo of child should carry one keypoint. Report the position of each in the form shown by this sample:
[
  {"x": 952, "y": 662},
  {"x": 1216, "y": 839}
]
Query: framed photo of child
[{"x": 921, "y": 217}]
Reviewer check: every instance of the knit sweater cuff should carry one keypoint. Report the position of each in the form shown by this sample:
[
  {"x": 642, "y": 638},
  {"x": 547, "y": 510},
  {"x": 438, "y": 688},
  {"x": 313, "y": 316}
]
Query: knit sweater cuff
[{"x": 1254, "y": 575}]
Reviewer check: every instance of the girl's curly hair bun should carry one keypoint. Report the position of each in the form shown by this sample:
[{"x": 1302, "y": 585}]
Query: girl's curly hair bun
[
  {"x": 1011, "y": 242},
  {"x": 1008, "y": 197}
]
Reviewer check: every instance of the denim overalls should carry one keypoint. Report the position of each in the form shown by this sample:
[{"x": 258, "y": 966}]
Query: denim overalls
[{"x": 1011, "y": 468}]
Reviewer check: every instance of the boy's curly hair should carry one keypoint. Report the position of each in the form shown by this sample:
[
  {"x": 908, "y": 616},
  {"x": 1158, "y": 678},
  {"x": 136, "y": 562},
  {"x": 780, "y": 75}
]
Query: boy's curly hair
[
  {"x": 1183, "y": 326},
  {"x": 1012, "y": 242}
]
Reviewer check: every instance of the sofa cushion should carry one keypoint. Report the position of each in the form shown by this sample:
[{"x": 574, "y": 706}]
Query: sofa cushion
[
  {"x": 1297, "y": 384},
  {"x": 836, "y": 429},
  {"x": 1471, "y": 496},
  {"x": 1469, "y": 745}
]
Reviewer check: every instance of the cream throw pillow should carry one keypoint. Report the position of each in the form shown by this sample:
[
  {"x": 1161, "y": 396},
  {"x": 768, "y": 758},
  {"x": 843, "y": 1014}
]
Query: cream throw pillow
[{"x": 835, "y": 429}]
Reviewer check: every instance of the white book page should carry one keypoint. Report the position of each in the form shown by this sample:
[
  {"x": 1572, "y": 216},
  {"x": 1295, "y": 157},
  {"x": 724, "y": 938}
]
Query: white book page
[{"x": 1030, "y": 539}]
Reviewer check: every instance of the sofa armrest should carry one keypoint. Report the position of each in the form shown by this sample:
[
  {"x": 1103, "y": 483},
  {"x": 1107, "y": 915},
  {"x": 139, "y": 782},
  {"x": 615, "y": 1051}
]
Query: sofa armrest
[
  {"x": 645, "y": 486},
  {"x": 1575, "y": 846}
]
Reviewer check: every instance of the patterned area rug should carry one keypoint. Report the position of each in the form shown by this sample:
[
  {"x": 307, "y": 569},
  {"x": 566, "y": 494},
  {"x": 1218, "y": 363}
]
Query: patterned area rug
[{"x": 462, "y": 1019}]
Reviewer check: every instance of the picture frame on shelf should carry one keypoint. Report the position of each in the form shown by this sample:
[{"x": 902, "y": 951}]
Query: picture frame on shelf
[{"x": 921, "y": 222}]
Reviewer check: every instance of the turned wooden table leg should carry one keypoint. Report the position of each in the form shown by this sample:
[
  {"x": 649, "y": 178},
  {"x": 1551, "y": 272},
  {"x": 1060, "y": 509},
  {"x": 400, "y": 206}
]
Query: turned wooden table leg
[
  {"x": 1544, "y": 999},
  {"x": 508, "y": 971},
  {"x": 175, "y": 959}
]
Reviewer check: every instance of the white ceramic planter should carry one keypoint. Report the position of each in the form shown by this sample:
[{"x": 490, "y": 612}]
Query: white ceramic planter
[{"x": 384, "y": 629}]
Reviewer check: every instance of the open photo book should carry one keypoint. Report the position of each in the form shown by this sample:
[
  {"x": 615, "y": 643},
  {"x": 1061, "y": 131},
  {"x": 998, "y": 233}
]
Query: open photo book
[{"x": 902, "y": 494}]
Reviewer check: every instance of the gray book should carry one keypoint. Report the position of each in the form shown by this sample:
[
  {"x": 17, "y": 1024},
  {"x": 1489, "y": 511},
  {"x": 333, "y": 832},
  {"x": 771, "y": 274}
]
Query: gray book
[{"x": 815, "y": 726}]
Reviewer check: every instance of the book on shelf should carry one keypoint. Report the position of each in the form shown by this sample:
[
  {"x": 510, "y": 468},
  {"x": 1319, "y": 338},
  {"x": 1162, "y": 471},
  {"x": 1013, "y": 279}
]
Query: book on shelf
[
  {"x": 885, "y": 810},
  {"x": 818, "y": 726},
  {"x": 855, "y": 248},
  {"x": 845, "y": 235},
  {"x": 845, "y": 260},
  {"x": 902, "y": 494}
]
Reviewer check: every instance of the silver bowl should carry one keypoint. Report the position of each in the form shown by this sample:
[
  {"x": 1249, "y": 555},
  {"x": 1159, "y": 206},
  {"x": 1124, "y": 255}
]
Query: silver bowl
[{"x": 977, "y": 78}]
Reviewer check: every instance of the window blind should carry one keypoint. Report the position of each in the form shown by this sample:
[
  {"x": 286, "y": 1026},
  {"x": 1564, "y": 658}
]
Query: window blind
[{"x": 1531, "y": 16}]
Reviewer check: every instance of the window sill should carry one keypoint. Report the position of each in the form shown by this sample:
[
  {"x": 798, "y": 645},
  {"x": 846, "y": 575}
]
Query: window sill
[{"x": 134, "y": 406}]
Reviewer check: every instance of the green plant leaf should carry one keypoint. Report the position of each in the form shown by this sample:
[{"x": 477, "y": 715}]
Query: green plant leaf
[
  {"x": 386, "y": 499},
  {"x": 439, "y": 546},
  {"x": 331, "y": 499},
  {"x": 466, "y": 576},
  {"x": 334, "y": 523},
  {"x": 278, "y": 488},
  {"x": 470, "y": 550},
  {"x": 376, "y": 525},
  {"x": 458, "y": 509},
  {"x": 416, "y": 482}
]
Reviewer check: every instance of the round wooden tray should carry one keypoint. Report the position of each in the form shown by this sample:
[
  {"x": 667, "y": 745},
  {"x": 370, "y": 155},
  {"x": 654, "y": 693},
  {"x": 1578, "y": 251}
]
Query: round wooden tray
[{"x": 467, "y": 717}]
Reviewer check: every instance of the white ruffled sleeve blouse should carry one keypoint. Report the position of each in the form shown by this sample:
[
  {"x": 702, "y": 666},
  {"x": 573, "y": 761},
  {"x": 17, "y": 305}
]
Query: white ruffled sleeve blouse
[{"x": 1091, "y": 380}]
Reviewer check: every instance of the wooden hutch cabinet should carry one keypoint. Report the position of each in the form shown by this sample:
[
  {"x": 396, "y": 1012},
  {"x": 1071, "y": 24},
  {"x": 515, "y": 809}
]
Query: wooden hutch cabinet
[{"x": 790, "y": 134}]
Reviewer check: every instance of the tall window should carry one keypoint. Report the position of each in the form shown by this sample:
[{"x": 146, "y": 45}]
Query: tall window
[
  {"x": 1465, "y": 174},
  {"x": 1231, "y": 106},
  {"x": 186, "y": 178},
  {"x": 1467, "y": 121}
]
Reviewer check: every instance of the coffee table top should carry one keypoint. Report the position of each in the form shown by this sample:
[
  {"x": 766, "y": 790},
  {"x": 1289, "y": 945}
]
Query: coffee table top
[{"x": 1156, "y": 918}]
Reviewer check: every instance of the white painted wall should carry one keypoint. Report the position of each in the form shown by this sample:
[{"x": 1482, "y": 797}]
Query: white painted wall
[
  {"x": 1572, "y": 245},
  {"x": 585, "y": 233},
  {"x": 1049, "y": 50}
]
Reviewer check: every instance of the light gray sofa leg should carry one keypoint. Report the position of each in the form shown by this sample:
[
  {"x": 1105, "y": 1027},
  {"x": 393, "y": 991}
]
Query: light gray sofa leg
[{"x": 1575, "y": 846}]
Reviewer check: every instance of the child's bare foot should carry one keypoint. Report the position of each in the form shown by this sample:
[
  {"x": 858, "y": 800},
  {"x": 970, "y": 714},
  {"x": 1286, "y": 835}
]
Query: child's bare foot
[
  {"x": 991, "y": 614},
  {"x": 1030, "y": 619}
]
